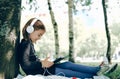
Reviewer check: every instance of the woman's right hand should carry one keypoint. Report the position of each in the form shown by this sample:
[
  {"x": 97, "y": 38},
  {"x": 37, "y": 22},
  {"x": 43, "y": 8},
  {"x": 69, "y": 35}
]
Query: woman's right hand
[{"x": 46, "y": 63}]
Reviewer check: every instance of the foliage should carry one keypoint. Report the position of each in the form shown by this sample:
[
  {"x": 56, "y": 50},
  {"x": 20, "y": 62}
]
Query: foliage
[
  {"x": 93, "y": 46},
  {"x": 83, "y": 3},
  {"x": 86, "y": 2},
  {"x": 115, "y": 29},
  {"x": 32, "y": 5}
]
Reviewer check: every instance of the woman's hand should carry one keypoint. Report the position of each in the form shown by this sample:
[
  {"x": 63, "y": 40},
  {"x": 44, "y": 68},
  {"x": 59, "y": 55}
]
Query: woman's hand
[{"x": 46, "y": 63}]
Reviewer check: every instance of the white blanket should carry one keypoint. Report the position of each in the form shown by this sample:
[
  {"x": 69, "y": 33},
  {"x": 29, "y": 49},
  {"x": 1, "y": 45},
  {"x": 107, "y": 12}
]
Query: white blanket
[
  {"x": 41, "y": 77},
  {"x": 54, "y": 77}
]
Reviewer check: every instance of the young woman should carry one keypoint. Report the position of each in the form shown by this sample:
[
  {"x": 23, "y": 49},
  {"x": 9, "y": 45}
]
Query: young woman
[{"x": 31, "y": 64}]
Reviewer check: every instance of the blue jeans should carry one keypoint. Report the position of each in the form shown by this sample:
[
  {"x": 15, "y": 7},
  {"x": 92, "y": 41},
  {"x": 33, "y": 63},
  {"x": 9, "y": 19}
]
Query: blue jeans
[{"x": 70, "y": 69}]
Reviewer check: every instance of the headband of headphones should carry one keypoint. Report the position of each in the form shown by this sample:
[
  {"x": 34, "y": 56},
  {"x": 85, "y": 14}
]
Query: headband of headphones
[{"x": 30, "y": 28}]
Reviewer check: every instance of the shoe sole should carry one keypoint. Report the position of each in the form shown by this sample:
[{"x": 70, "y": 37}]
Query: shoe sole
[{"x": 112, "y": 69}]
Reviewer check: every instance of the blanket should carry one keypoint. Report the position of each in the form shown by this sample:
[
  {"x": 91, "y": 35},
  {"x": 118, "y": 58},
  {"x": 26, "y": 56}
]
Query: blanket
[
  {"x": 55, "y": 77},
  {"x": 41, "y": 77}
]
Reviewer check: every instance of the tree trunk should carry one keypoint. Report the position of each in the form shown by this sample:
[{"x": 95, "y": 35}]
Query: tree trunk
[
  {"x": 71, "y": 37},
  {"x": 9, "y": 27},
  {"x": 108, "y": 54},
  {"x": 55, "y": 26}
]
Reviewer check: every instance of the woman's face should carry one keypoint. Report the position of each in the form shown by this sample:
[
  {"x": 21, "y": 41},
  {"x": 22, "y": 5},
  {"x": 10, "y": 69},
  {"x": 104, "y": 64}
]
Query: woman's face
[{"x": 36, "y": 35}]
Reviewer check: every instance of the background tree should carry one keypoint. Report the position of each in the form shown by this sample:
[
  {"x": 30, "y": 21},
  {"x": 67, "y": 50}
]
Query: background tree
[
  {"x": 108, "y": 53},
  {"x": 9, "y": 28},
  {"x": 55, "y": 26},
  {"x": 71, "y": 34}
]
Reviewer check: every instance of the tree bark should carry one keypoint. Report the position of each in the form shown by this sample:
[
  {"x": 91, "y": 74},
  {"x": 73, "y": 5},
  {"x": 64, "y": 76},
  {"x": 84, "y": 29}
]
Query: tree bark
[{"x": 9, "y": 28}]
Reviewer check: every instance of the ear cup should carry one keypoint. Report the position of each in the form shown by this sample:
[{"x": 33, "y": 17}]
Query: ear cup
[{"x": 30, "y": 28}]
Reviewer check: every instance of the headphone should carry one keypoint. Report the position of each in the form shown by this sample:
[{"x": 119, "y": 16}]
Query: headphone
[{"x": 30, "y": 28}]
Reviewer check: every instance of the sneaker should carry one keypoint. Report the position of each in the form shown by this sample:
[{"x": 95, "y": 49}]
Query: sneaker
[
  {"x": 103, "y": 69},
  {"x": 111, "y": 69}
]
